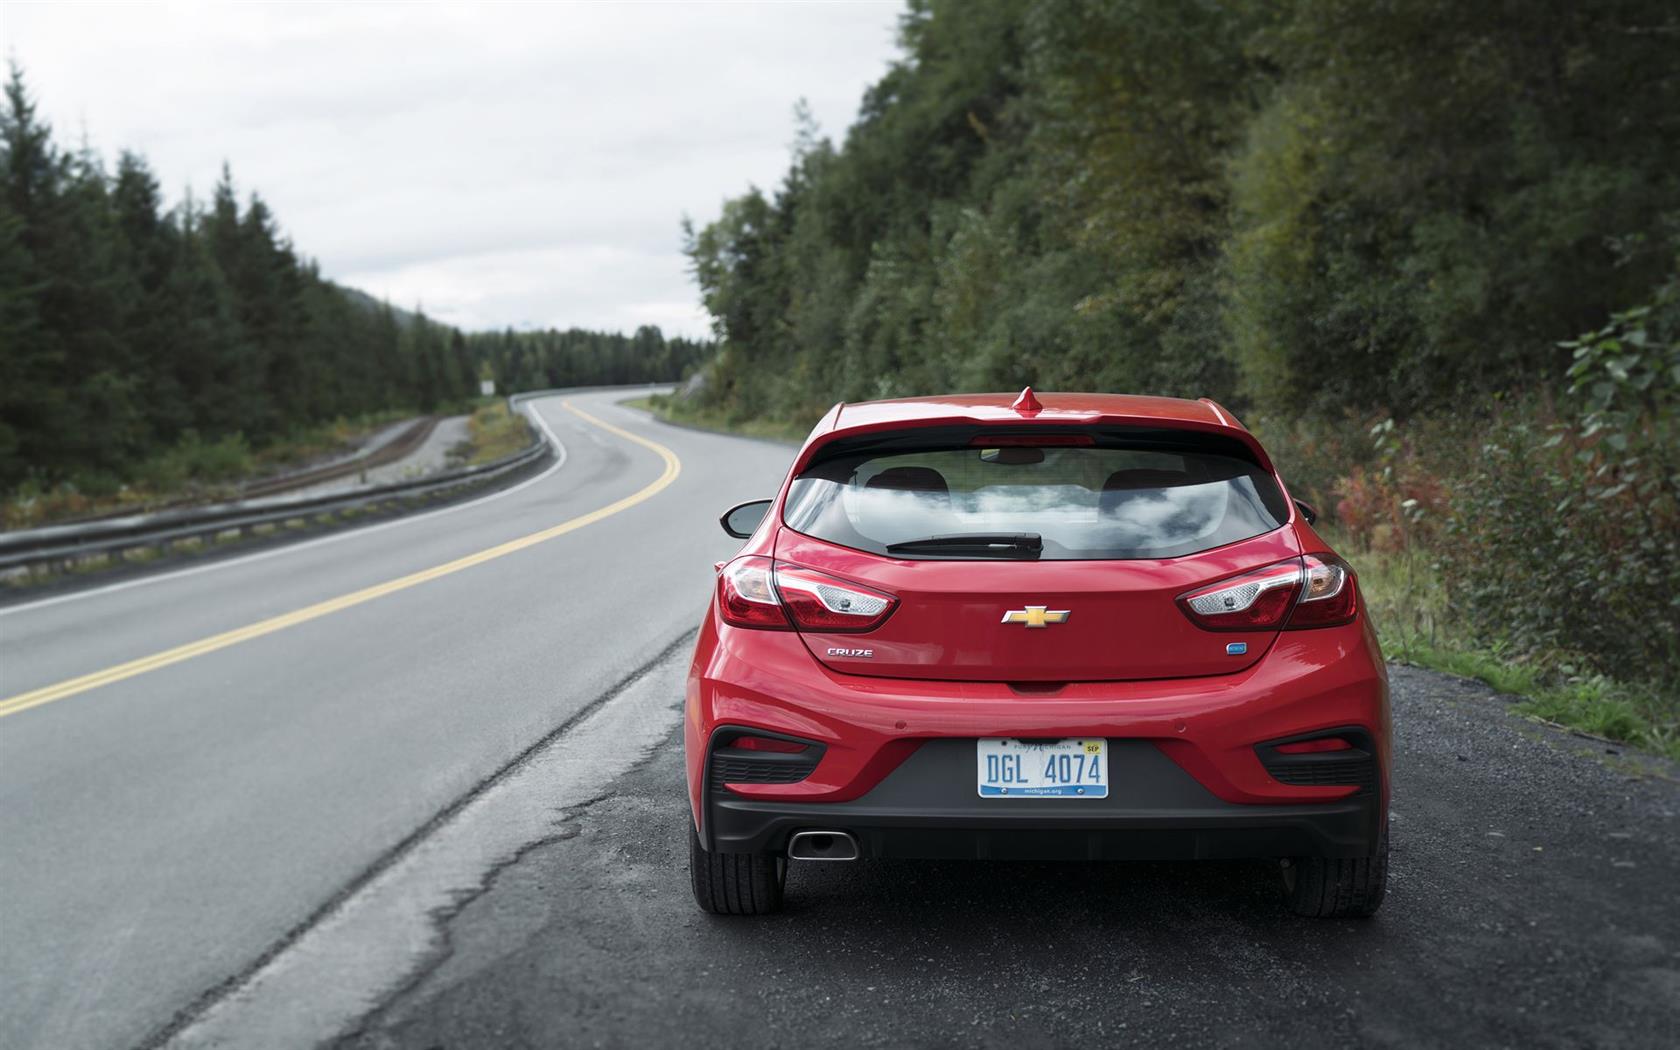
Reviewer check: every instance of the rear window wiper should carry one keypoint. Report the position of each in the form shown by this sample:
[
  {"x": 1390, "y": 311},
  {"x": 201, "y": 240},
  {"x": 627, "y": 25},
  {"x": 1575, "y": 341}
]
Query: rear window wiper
[{"x": 986, "y": 544}]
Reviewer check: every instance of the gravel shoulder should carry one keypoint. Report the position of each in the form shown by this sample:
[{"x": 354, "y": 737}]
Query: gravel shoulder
[{"x": 1532, "y": 903}]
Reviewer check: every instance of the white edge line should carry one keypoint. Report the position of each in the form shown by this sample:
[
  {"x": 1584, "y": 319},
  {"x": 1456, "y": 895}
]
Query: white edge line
[{"x": 293, "y": 548}]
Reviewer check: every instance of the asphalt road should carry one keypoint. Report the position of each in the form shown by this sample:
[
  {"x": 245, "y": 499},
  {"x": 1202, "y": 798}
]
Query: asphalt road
[
  {"x": 450, "y": 815},
  {"x": 160, "y": 834},
  {"x": 1532, "y": 903}
]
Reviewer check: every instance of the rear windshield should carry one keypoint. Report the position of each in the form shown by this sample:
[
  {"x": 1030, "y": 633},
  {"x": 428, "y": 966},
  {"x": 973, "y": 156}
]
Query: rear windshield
[{"x": 1075, "y": 503}]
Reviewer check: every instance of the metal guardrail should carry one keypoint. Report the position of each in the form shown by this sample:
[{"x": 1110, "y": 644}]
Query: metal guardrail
[
  {"x": 64, "y": 543},
  {"x": 404, "y": 444}
]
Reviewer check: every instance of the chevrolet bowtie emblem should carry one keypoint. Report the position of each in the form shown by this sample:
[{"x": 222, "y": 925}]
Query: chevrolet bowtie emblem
[{"x": 1036, "y": 616}]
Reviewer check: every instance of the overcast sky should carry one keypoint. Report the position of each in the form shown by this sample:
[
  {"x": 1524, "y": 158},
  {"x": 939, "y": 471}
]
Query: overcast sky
[{"x": 511, "y": 164}]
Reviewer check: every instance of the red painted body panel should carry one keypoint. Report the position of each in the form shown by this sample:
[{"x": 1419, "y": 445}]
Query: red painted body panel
[
  {"x": 1122, "y": 621},
  {"x": 1133, "y": 666},
  {"x": 767, "y": 680}
]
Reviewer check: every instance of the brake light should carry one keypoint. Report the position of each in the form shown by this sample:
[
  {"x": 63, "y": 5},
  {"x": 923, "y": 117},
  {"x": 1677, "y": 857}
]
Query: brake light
[
  {"x": 754, "y": 591},
  {"x": 1032, "y": 440},
  {"x": 1331, "y": 597},
  {"x": 822, "y": 603},
  {"x": 1317, "y": 590},
  {"x": 747, "y": 595},
  {"x": 1254, "y": 601}
]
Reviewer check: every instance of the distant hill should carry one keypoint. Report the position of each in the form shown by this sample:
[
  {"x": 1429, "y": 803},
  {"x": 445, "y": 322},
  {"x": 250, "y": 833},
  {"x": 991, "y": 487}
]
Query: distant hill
[{"x": 406, "y": 318}]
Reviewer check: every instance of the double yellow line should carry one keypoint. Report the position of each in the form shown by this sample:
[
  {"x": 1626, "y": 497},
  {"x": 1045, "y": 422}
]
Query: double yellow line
[{"x": 70, "y": 687}]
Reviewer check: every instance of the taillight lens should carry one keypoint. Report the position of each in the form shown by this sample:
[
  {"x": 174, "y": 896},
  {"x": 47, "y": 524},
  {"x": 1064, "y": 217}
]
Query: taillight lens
[
  {"x": 747, "y": 594},
  {"x": 1254, "y": 601},
  {"x": 1331, "y": 595},
  {"x": 1317, "y": 590},
  {"x": 754, "y": 591},
  {"x": 822, "y": 603}
]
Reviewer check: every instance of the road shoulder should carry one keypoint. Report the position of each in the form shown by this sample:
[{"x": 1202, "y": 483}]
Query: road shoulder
[{"x": 392, "y": 926}]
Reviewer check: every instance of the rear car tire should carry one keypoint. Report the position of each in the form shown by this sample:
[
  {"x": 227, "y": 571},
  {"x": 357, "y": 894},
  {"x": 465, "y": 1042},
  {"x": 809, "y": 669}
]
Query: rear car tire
[
  {"x": 1338, "y": 887},
  {"x": 735, "y": 883}
]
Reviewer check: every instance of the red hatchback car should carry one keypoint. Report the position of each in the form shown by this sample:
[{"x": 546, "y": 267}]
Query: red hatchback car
[{"x": 1080, "y": 626}]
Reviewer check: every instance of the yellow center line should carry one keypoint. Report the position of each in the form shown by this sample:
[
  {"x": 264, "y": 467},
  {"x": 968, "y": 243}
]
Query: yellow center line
[{"x": 70, "y": 687}]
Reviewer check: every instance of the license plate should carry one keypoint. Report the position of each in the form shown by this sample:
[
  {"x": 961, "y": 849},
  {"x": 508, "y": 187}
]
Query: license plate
[{"x": 1042, "y": 768}]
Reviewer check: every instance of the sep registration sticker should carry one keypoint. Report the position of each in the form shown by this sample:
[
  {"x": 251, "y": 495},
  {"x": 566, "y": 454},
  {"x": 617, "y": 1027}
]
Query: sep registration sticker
[{"x": 1074, "y": 768}]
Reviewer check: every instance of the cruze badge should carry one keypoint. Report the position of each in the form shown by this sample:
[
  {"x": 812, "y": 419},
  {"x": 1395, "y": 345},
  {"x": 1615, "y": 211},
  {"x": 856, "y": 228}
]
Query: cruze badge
[{"x": 1036, "y": 616}]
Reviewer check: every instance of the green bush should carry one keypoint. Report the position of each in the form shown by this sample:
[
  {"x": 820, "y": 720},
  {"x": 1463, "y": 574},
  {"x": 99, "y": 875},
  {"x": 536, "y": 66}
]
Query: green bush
[
  {"x": 1314, "y": 454},
  {"x": 193, "y": 461},
  {"x": 1564, "y": 537},
  {"x": 495, "y": 431}
]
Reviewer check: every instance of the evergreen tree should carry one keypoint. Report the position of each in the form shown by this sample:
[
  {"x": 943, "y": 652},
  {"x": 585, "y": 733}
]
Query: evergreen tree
[
  {"x": 1314, "y": 205},
  {"x": 126, "y": 328}
]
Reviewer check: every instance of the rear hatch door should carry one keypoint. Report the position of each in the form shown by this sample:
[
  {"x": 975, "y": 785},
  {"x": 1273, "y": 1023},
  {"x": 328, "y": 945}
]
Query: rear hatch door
[
  {"x": 1046, "y": 555},
  {"x": 1036, "y": 621}
]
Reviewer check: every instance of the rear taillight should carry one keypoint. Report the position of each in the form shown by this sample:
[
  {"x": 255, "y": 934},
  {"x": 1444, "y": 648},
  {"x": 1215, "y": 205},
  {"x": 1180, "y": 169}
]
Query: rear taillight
[
  {"x": 1330, "y": 597},
  {"x": 822, "y": 603},
  {"x": 1254, "y": 601},
  {"x": 747, "y": 595},
  {"x": 1317, "y": 590},
  {"x": 754, "y": 591}
]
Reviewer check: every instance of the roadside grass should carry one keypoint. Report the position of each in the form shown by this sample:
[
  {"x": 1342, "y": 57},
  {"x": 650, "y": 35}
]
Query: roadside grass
[
  {"x": 193, "y": 469},
  {"x": 495, "y": 431},
  {"x": 1409, "y": 604},
  {"x": 676, "y": 410}
]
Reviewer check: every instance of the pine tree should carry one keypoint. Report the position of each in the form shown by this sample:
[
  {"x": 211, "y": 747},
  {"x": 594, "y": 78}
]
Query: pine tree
[{"x": 127, "y": 328}]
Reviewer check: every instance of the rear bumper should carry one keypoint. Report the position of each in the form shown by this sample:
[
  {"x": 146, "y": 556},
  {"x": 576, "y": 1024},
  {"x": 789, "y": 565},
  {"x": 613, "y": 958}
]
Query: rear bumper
[
  {"x": 1209, "y": 728},
  {"x": 928, "y": 808}
]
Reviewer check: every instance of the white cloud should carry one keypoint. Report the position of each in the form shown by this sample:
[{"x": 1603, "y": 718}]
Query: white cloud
[{"x": 502, "y": 164}]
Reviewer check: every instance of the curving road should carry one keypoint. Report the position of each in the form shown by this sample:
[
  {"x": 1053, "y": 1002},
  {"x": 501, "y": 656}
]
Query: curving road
[
  {"x": 161, "y": 832},
  {"x": 419, "y": 785}
]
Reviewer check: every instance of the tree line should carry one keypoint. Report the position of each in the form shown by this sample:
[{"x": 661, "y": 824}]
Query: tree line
[
  {"x": 527, "y": 360},
  {"x": 128, "y": 326},
  {"x": 1297, "y": 206}
]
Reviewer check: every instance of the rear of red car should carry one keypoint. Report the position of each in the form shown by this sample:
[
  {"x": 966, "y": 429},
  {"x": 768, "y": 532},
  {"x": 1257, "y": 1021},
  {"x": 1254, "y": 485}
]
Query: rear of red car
[{"x": 1085, "y": 627}]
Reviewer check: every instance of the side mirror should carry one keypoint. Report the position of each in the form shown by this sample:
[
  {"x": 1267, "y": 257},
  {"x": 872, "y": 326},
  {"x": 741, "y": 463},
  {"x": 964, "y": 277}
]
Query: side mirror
[
  {"x": 740, "y": 520},
  {"x": 1307, "y": 510}
]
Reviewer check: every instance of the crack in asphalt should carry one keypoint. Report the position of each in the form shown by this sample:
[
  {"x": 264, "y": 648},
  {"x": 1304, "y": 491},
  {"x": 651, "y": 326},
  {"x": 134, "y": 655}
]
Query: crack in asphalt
[
  {"x": 441, "y": 917},
  {"x": 201, "y": 1004}
]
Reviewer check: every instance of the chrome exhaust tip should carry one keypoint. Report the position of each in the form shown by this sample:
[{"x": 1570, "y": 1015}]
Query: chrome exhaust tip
[{"x": 822, "y": 845}]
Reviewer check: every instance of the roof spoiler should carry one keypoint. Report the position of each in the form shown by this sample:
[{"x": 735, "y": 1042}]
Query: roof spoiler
[{"x": 1219, "y": 410}]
